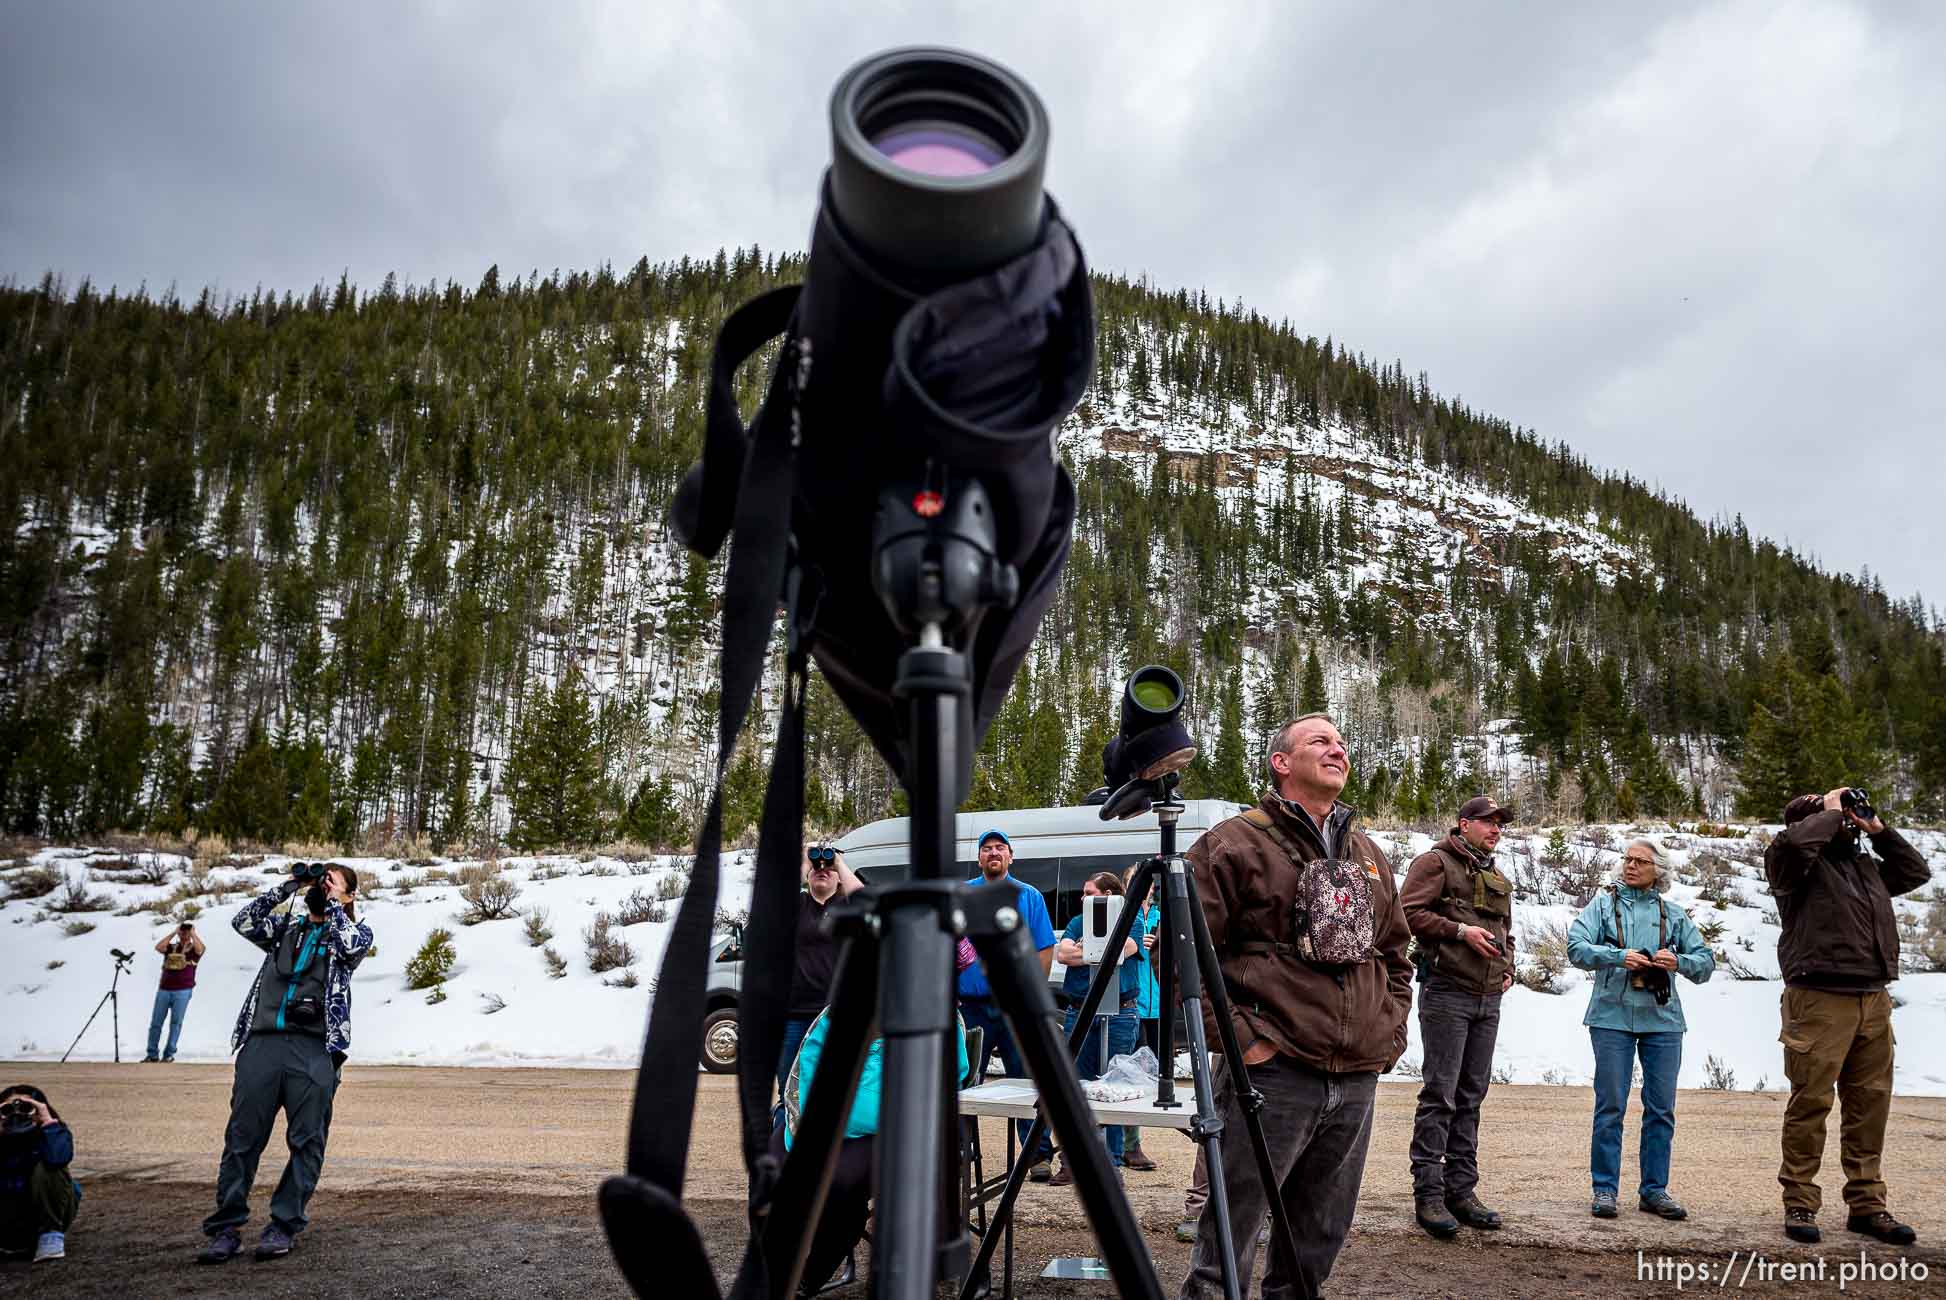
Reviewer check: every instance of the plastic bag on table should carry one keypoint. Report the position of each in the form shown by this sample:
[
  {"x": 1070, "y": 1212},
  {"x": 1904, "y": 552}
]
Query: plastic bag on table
[{"x": 1136, "y": 1067}]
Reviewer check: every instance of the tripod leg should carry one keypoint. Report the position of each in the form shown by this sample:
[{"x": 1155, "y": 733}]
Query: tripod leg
[
  {"x": 1209, "y": 1125},
  {"x": 1019, "y": 987},
  {"x": 84, "y": 1029},
  {"x": 1249, "y": 1101},
  {"x": 917, "y": 1018}
]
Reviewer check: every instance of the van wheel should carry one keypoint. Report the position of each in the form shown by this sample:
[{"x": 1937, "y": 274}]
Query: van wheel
[{"x": 720, "y": 1041}]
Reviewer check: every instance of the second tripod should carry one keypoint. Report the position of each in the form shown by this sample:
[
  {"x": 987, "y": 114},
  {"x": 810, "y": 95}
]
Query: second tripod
[
  {"x": 1188, "y": 965},
  {"x": 124, "y": 961}
]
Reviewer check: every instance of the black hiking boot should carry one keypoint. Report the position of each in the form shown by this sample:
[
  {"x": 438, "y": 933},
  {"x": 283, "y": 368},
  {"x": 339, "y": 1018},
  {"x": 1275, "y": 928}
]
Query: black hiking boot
[{"x": 1433, "y": 1216}]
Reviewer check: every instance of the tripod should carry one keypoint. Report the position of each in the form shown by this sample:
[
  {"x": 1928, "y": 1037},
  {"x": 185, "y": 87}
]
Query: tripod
[
  {"x": 123, "y": 962},
  {"x": 1188, "y": 961},
  {"x": 935, "y": 570}
]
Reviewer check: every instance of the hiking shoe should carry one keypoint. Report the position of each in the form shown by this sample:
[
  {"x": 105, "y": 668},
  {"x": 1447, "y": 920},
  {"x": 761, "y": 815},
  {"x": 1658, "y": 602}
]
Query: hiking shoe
[
  {"x": 1433, "y": 1216},
  {"x": 168, "y": 1060},
  {"x": 54, "y": 1245},
  {"x": 1802, "y": 1225},
  {"x": 223, "y": 1247},
  {"x": 1137, "y": 1158},
  {"x": 275, "y": 1243},
  {"x": 1603, "y": 1206},
  {"x": 150, "y": 1060},
  {"x": 1061, "y": 1176},
  {"x": 1040, "y": 1171},
  {"x": 1883, "y": 1226},
  {"x": 1662, "y": 1205},
  {"x": 1468, "y": 1210},
  {"x": 1186, "y": 1232}
]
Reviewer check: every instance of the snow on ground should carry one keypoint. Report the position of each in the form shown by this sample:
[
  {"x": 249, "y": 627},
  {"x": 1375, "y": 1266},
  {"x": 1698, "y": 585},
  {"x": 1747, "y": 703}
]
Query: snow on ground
[
  {"x": 573, "y": 1021},
  {"x": 52, "y": 981}
]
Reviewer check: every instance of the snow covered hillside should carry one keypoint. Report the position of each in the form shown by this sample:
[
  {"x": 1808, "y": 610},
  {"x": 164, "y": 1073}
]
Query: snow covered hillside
[{"x": 503, "y": 1007}]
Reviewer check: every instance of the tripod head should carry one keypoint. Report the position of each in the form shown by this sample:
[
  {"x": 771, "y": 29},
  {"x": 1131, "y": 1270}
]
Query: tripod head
[
  {"x": 123, "y": 960},
  {"x": 933, "y": 560}
]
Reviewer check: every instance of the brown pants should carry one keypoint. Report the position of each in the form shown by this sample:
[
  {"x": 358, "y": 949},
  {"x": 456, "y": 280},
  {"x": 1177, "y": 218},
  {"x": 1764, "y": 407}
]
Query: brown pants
[{"x": 1842, "y": 1040}]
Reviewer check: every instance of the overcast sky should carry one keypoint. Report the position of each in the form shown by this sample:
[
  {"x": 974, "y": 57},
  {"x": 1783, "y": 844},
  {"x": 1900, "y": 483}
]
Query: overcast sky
[{"x": 1701, "y": 243}]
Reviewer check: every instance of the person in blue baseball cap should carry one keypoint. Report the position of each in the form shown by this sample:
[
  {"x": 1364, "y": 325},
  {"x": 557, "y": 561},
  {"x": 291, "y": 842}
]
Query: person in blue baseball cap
[{"x": 976, "y": 1004}]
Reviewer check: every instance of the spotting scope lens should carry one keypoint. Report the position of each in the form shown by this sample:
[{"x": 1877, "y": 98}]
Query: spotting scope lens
[
  {"x": 936, "y": 161},
  {"x": 1161, "y": 693}
]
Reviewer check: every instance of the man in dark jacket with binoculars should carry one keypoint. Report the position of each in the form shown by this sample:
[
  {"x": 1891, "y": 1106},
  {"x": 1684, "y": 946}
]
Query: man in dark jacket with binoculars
[
  {"x": 1839, "y": 949},
  {"x": 293, "y": 1032}
]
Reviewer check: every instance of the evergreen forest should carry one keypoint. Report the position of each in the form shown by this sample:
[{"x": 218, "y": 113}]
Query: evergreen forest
[{"x": 369, "y": 567}]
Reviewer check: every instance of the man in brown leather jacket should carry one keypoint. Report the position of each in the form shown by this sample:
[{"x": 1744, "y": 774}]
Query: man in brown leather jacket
[
  {"x": 1838, "y": 951},
  {"x": 1460, "y": 909},
  {"x": 1316, "y": 1034}
]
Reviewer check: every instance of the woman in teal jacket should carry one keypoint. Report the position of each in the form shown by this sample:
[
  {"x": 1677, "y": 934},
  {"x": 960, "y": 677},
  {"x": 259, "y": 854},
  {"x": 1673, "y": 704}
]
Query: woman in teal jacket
[
  {"x": 847, "y": 1205},
  {"x": 1634, "y": 941}
]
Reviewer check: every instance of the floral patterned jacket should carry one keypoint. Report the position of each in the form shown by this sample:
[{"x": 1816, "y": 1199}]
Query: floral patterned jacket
[{"x": 346, "y": 942}]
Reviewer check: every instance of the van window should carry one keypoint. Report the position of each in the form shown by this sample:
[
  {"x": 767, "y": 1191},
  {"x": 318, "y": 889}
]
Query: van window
[{"x": 1075, "y": 872}]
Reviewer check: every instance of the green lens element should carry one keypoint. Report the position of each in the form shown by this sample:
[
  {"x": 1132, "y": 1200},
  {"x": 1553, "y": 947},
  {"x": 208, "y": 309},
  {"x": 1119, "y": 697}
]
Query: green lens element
[{"x": 1153, "y": 695}]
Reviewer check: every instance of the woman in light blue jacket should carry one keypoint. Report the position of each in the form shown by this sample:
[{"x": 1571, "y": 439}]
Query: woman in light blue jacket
[{"x": 1635, "y": 941}]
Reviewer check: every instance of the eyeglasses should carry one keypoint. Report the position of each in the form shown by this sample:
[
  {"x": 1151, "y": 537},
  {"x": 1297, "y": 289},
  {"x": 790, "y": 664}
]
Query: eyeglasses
[{"x": 1640, "y": 861}]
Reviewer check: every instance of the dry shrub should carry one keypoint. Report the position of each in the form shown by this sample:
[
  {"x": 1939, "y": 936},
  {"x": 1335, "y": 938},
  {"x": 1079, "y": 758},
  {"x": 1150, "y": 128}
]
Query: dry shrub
[
  {"x": 73, "y": 896},
  {"x": 210, "y": 848},
  {"x": 1541, "y": 958},
  {"x": 488, "y": 898},
  {"x": 309, "y": 850},
  {"x": 638, "y": 908},
  {"x": 607, "y": 948},
  {"x": 37, "y": 882}
]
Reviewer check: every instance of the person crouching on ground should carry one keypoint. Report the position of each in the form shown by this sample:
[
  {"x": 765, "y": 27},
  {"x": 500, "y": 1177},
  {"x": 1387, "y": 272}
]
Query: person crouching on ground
[
  {"x": 1319, "y": 1006},
  {"x": 38, "y": 1199},
  {"x": 1634, "y": 940},
  {"x": 293, "y": 1032},
  {"x": 1461, "y": 909},
  {"x": 1838, "y": 951},
  {"x": 1117, "y": 1018}
]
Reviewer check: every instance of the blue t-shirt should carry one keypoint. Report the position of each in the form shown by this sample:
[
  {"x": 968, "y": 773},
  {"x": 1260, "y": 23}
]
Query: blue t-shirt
[
  {"x": 1079, "y": 977},
  {"x": 1033, "y": 910}
]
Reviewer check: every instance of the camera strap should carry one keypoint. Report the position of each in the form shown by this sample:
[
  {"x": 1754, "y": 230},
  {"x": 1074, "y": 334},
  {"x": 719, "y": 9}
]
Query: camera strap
[
  {"x": 1661, "y": 921},
  {"x": 747, "y": 486}
]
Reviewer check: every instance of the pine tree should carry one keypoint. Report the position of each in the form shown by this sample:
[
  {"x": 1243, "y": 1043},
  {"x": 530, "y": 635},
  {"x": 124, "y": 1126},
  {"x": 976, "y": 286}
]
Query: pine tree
[
  {"x": 1804, "y": 738},
  {"x": 1230, "y": 774},
  {"x": 1311, "y": 698},
  {"x": 554, "y": 773}
]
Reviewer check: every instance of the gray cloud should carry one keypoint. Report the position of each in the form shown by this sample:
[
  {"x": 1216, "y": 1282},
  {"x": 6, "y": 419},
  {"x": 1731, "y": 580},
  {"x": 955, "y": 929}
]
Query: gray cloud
[{"x": 1696, "y": 242}]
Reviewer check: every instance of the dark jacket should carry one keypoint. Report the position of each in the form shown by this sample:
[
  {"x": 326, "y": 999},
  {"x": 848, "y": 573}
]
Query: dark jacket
[
  {"x": 51, "y": 1145},
  {"x": 1836, "y": 902},
  {"x": 1451, "y": 885},
  {"x": 1341, "y": 1020}
]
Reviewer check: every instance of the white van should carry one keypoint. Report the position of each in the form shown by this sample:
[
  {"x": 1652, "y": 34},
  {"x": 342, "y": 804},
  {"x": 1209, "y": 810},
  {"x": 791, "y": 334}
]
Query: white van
[{"x": 1055, "y": 850}]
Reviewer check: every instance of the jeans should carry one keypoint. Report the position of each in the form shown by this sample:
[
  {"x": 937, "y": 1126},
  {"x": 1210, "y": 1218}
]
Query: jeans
[
  {"x": 1318, "y": 1127},
  {"x": 1123, "y": 1037},
  {"x": 275, "y": 1071},
  {"x": 1615, "y": 1053},
  {"x": 1458, "y": 1029},
  {"x": 794, "y": 1030},
  {"x": 173, "y": 1003},
  {"x": 984, "y": 1014}
]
